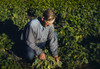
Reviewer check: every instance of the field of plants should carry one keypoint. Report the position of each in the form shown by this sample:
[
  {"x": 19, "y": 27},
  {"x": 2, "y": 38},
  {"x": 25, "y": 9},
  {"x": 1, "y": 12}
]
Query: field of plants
[{"x": 77, "y": 25}]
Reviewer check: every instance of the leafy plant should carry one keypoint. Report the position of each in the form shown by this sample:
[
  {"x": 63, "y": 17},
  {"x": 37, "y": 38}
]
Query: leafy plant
[
  {"x": 7, "y": 60},
  {"x": 49, "y": 63}
]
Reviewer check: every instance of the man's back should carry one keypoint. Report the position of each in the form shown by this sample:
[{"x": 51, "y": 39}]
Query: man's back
[{"x": 40, "y": 32}]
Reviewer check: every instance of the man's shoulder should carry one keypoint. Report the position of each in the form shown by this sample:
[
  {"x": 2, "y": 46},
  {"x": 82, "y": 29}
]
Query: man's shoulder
[
  {"x": 52, "y": 26},
  {"x": 35, "y": 22}
]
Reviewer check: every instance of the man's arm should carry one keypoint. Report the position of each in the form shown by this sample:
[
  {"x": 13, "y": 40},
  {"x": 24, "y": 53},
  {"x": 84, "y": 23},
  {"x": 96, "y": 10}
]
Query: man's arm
[
  {"x": 30, "y": 40},
  {"x": 53, "y": 42}
]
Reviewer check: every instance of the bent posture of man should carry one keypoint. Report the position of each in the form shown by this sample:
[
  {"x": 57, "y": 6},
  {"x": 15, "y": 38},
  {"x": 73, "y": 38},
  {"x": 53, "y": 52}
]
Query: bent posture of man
[{"x": 37, "y": 33}]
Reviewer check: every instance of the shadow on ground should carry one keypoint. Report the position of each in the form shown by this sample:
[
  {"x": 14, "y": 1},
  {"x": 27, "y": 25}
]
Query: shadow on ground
[{"x": 11, "y": 30}]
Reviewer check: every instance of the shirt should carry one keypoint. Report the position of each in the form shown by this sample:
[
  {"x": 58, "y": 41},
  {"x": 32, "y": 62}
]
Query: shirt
[{"x": 35, "y": 33}]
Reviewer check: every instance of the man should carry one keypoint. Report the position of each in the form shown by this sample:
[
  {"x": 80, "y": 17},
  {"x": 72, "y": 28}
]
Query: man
[{"x": 37, "y": 33}]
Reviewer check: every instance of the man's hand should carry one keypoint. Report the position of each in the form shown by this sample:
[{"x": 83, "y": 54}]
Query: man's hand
[
  {"x": 56, "y": 59},
  {"x": 42, "y": 56}
]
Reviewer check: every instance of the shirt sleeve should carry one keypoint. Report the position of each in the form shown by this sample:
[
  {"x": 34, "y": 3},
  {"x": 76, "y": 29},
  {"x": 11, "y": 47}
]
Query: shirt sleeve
[
  {"x": 53, "y": 42},
  {"x": 30, "y": 40}
]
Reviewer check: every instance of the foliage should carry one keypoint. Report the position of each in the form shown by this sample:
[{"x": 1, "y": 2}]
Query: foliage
[
  {"x": 49, "y": 63},
  {"x": 7, "y": 60},
  {"x": 77, "y": 25}
]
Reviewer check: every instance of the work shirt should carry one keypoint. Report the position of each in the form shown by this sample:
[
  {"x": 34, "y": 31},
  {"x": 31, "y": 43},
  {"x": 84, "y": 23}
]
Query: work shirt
[{"x": 36, "y": 35}]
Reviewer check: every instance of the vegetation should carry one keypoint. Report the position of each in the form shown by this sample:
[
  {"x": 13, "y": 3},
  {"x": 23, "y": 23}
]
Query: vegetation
[{"x": 77, "y": 25}]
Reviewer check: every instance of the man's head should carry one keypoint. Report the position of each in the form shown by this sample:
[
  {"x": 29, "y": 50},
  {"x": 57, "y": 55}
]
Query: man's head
[{"x": 48, "y": 17}]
